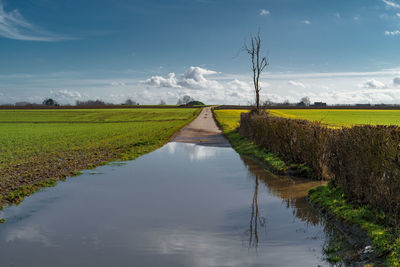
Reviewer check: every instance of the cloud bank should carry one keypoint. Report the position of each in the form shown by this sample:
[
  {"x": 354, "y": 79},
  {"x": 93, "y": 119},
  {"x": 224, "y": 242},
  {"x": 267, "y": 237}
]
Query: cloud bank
[{"x": 208, "y": 86}]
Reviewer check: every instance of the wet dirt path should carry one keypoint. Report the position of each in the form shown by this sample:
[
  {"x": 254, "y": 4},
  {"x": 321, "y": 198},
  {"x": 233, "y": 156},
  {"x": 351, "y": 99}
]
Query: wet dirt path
[{"x": 202, "y": 131}]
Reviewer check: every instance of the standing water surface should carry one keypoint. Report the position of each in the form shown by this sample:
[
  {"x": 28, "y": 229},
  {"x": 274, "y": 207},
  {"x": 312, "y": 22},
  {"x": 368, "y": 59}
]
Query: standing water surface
[{"x": 182, "y": 205}]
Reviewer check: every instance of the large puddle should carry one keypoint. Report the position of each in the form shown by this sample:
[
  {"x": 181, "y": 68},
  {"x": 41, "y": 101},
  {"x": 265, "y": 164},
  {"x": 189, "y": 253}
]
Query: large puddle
[{"x": 182, "y": 205}]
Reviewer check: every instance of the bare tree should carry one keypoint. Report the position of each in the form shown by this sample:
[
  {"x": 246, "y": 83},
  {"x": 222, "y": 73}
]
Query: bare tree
[
  {"x": 304, "y": 102},
  {"x": 258, "y": 64},
  {"x": 162, "y": 102}
]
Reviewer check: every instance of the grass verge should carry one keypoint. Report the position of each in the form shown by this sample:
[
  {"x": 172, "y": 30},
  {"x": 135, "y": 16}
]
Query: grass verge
[
  {"x": 384, "y": 239},
  {"x": 228, "y": 121}
]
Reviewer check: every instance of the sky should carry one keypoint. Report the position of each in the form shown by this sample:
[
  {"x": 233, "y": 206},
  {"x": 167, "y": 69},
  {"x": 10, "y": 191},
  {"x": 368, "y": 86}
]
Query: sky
[{"x": 339, "y": 52}]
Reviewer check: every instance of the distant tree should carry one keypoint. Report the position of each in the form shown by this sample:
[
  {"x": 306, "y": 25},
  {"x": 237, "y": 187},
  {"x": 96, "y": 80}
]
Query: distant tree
[
  {"x": 305, "y": 102},
  {"x": 195, "y": 103},
  {"x": 286, "y": 102},
  {"x": 258, "y": 64},
  {"x": 50, "y": 102},
  {"x": 91, "y": 103},
  {"x": 184, "y": 100},
  {"x": 131, "y": 102},
  {"x": 162, "y": 103}
]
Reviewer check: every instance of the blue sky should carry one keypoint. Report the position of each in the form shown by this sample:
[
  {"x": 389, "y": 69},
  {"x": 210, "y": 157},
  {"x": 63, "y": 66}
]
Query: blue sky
[{"x": 148, "y": 50}]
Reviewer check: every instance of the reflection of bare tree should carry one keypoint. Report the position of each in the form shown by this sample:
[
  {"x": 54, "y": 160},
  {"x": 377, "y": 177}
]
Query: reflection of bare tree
[
  {"x": 292, "y": 191},
  {"x": 255, "y": 218}
]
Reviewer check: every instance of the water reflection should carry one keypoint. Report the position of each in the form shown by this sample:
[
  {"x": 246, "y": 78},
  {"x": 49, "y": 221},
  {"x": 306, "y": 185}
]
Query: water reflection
[
  {"x": 193, "y": 151},
  {"x": 182, "y": 205},
  {"x": 255, "y": 218},
  {"x": 29, "y": 233},
  {"x": 292, "y": 191}
]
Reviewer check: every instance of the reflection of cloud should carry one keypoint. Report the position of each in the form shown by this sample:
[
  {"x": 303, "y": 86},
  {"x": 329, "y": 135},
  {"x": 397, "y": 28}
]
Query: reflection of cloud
[
  {"x": 171, "y": 147},
  {"x": 211, "y": 249},
  {"x": 28, "y": 233},
  {"x": 194, "y": 152},
  {"x": 198, "y": 153}
]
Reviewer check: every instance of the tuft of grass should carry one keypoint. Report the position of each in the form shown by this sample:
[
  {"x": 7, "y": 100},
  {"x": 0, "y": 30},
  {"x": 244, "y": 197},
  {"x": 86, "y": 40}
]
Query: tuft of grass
[
  {"x": 16, "y": 196},
  {"x": 384, "y": 238}
]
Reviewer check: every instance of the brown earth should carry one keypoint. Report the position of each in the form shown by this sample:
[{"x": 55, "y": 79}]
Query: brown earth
[{"x": 202, "y": 131}]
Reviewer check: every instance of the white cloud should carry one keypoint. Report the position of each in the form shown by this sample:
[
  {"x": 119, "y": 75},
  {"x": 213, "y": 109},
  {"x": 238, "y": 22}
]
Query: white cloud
[
  {"x": 14, "y": 26},
  {"x": 337, "y": 15},
  {"x": 306, "y": 22},
  {"x": 170, "y": 82},
  {"x": 264, "y": 12},
  {"x": 391, "y": 3},
  {"x": 356, "y": 18},
  {"x": 297, "y": 84},
  {"x": 239, "y": 85},
  {"x": 392, "y": 33},
  {"x": 117, "y": 83},
  {"x": 68, "y": 94},
  {"x": 193, "y": 78},
  {"x": 372, "y": 84}
]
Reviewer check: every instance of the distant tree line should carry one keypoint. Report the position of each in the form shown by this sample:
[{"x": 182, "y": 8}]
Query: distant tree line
[{"x": 51, "y": 102}]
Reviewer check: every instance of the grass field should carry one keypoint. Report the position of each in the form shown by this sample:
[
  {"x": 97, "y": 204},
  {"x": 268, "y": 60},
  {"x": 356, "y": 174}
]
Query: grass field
[
  {"x": 330, "y": 117},
  {"x": 339, "y": 118},
  {"x": 228, "y": 118},
  {"x": 41, "y": 144}
]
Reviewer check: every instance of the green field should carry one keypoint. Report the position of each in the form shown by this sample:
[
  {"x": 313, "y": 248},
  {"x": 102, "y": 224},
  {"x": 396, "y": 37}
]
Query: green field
[
  {"x": 38, "y": 144},
  {"x": 339, "y": 118},
  {"x": 228, "y": 118},
  {"x": 330, "y": 117}
]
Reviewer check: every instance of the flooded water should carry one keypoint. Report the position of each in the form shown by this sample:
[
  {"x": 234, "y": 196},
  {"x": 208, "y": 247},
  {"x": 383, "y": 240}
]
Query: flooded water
[{"x": 182, "y": 205}]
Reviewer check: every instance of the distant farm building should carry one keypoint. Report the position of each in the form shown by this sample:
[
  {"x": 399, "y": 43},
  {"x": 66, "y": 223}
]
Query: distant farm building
[{"x": 319, "y": 104}]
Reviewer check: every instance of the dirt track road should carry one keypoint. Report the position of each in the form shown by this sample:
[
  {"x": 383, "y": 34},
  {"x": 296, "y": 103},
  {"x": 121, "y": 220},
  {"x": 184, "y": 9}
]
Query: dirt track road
[{"x": 203, "y": 131}]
